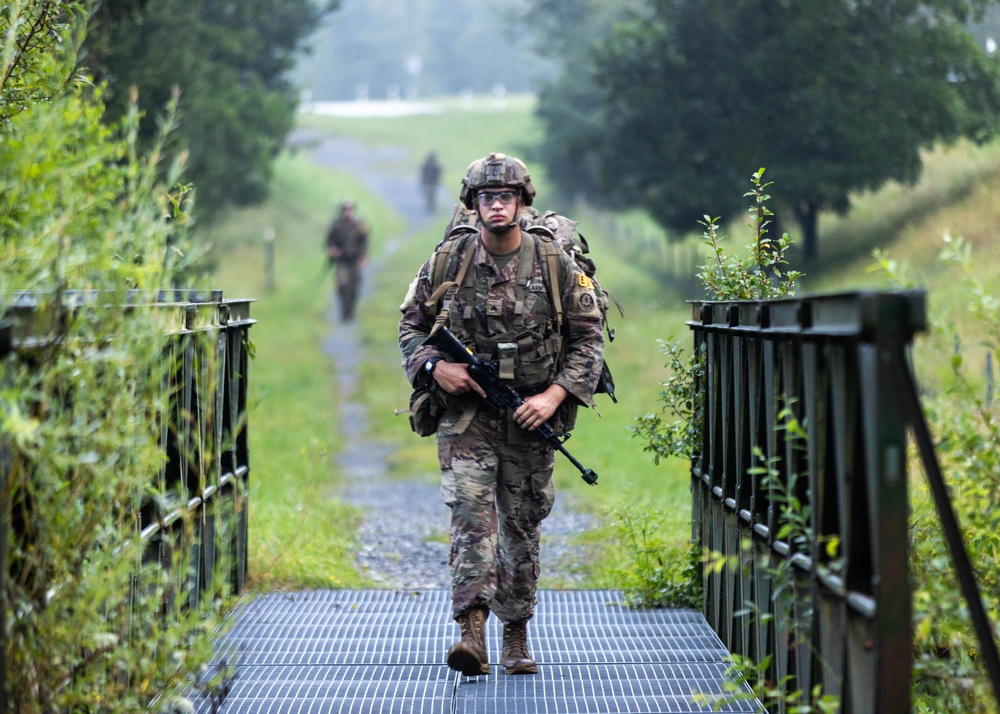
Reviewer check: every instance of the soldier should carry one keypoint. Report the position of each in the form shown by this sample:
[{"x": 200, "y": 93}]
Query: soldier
[
  {"x": 430, "y": 175},
  {"x": 495, "y": 475},
  {"x": 347, "y": 246}
]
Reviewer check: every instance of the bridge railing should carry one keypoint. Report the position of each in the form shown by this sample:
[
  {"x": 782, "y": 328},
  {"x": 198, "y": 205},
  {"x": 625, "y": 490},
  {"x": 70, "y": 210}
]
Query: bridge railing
[
  {"x": 812, "y": 521},
  {"x": 203, "y": 433},
  {"x": 800, "y": 486}
]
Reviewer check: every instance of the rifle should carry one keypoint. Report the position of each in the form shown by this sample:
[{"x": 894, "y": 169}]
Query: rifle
[{"x": 499, "y": 396}]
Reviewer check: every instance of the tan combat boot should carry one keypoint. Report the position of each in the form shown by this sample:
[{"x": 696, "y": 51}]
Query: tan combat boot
[
  {"x": 468, "y": 655},
  {"x": 515, "y": 658}
]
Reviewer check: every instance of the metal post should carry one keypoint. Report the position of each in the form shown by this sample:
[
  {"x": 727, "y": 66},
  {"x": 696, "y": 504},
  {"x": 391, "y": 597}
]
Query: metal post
[
  {"x": 269, "y": 282},
  {"x": 6, "y": 347}
]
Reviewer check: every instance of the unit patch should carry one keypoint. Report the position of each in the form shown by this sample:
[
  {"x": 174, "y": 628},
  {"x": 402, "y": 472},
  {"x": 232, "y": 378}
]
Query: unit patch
[{"x": 587, "y": 302}]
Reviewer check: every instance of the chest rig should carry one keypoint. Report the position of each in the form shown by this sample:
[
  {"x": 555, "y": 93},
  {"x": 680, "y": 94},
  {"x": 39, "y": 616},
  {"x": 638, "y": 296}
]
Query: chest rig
[{"x": 528, "y": 352}]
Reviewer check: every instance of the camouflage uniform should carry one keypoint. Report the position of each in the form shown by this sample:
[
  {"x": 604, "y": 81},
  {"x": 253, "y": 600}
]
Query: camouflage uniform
[
  {"x": 350, "y": 237},
  {"x": 496, "y": 477}
]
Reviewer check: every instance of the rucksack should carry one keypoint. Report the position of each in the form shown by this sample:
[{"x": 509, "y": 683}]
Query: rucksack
[{"x": 563, "y": 234}]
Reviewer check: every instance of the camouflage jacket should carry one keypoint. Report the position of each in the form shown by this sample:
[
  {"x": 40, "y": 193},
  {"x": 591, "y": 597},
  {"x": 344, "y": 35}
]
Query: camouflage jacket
[
  {"x": 486, "y": 310},
  {"x": 350, "y": 236}
]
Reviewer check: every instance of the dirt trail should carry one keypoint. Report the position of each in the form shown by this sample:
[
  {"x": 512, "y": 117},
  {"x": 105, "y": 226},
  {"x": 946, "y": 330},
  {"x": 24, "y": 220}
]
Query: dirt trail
[{"x": 405, "y": 524}]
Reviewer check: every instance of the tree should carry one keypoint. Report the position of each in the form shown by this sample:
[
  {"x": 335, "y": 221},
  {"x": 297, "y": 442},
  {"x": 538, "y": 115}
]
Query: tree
[
  {"x": 230, "y": 61},
  {"x": 833, "y": 97},
  {"x": 37, "y": 53},
  {"x": 565, "y": 31}
]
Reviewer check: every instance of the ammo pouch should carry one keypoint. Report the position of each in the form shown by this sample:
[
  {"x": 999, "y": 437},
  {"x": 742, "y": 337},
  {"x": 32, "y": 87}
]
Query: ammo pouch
[
  {"x": 522, "y": 359},
  {"x": 425, "y": 409},
  {"x": 565, "y": 416}
]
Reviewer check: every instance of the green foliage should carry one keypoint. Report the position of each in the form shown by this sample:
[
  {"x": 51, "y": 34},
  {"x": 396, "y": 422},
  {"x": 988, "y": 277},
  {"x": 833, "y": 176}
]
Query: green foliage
[
  {"x": 230, "y": 62},
  {"x": 657, "y": 573},
  {"x": 676, "y": 428},
  {"x": 746, "y": 681},
  {"x": 86, "y": 228},
  {"x": 835, "y": 97},
  {"x": 38, "y": 51},
  {"x": 758, "y": 275},
  {"x": 789, "y": 605},
  {"x": 948, "y": 675},
  {"x": 566, "y": 30}
]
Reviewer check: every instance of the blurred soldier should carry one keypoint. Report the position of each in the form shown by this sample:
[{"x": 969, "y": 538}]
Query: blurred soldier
[
  {"x": 347, "y": 246},
  {"x": 430, "y": 176},
  {"x": 494, "y": 293}
]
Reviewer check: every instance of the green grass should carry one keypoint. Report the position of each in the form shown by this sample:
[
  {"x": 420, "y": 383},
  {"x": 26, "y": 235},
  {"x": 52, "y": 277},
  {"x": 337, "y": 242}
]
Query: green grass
[{"x": 300, "y": 533}]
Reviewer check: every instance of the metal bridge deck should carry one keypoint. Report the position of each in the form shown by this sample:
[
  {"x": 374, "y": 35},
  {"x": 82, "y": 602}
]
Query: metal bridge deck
[{"x": 383, "y": 651}]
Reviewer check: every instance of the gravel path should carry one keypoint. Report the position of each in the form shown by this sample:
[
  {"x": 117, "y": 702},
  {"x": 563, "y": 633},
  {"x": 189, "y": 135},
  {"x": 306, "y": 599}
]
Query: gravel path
[{"x": 405, "y": 524}]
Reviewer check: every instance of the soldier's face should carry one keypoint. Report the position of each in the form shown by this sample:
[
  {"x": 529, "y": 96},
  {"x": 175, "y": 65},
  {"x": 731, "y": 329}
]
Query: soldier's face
[{"x": 499, "y": 205}]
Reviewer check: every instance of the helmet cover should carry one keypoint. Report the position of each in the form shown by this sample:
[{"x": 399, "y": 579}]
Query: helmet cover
[{"x": 496, "y": 170}]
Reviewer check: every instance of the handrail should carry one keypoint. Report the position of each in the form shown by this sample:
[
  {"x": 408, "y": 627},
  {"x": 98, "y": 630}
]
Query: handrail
[
  {"x": 838, "y": 363},
  {"x": 203, "y": 434}
]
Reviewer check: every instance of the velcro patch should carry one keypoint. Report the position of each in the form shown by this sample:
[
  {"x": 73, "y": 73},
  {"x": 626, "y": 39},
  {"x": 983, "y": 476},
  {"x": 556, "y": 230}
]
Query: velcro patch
[
  {"x": 587, "y": 302},
  {"x": 585, "y": 282}
]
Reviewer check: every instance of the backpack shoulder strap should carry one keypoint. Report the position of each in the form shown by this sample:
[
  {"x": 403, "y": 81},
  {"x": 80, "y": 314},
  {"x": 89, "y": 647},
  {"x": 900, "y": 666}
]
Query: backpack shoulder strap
[
  {"x": 445, "y": 257},
  {"x": 458, "y": 243},
  {"x": 551, "y": 268}
]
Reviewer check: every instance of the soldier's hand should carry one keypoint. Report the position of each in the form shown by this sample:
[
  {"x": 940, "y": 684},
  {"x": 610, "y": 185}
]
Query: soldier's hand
[
  {"x": 539, "y": 408},
  {"x": 454, "y": 378}
]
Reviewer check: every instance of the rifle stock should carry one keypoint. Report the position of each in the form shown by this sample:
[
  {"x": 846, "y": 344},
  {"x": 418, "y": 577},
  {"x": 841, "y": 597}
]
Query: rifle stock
[{"x": 500, "y": 396}]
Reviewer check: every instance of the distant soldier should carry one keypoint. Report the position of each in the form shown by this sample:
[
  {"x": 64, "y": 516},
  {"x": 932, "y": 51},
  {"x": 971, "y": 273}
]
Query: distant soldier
[
  {"x": 430, "y": 176},
  {"x": 347, "y": 246}
]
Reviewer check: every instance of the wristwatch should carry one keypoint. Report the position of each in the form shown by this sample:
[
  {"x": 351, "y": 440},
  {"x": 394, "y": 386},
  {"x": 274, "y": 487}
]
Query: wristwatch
[{"x": 430, "y": 364}]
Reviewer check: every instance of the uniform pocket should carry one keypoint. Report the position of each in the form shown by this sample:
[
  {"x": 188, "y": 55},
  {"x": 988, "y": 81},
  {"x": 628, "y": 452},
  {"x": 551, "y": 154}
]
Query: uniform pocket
[
  {"x": 449, "y": 486},
  {"x": 425, "y": 411}
]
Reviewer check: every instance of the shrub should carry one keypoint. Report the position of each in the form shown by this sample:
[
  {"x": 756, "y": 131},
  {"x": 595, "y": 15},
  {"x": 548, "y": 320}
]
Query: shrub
[{"x": 87, "y": 232}]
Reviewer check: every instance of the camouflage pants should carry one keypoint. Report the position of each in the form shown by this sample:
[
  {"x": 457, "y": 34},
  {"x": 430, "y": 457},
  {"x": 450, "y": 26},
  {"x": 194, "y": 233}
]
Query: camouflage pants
[
  {"x": 499, "y": 488},
  {"x": 348, "y": 276}
]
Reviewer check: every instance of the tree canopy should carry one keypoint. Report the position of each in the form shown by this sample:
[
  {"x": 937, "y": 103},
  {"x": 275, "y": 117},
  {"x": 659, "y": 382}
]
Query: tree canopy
[
  {"x": 230, "y": 62},
  {"x": 832, "y": 96}
]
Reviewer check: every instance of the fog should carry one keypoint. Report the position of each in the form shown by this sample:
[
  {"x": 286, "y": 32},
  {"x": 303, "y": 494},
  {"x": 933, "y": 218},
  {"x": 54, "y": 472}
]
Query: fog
[{"x": 411, "y": 49}]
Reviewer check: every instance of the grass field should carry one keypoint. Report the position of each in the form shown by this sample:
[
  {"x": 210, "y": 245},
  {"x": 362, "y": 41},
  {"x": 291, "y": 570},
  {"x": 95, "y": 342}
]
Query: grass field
[{"x": 300, "y": 534}]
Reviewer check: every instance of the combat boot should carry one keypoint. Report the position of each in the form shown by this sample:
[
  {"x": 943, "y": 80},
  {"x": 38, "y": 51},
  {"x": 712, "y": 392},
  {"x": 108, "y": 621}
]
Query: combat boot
[
  {"x": 515, "y": 657},
  {"x": 468, "y": 655}
]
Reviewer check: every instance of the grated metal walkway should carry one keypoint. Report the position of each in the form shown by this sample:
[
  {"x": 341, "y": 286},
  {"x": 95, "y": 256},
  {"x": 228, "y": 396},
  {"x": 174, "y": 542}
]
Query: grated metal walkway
[{"x": 383, "y": 651}]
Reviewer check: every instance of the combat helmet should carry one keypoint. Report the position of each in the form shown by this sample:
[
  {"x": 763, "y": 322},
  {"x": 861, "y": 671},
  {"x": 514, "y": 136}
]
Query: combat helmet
[{"x": 496, "y": 170}]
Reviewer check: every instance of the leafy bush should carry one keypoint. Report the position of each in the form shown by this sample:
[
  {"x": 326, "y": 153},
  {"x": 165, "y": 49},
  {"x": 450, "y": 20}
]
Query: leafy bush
[
  {"x": 948, "y": 674},
  {"x": 759, "y": 275},
  {"x": 656, "y": 575},
  {"x": 89, "y": 230}
]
